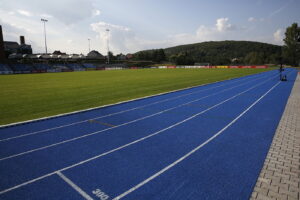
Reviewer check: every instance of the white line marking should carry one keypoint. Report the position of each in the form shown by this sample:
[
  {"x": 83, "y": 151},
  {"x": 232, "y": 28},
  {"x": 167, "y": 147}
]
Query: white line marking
[
  {"x": 193, "y": 151},
  {"x": 74, "y": 186},
  {"x": 130, "y": 122},
  {"x": 116, "y": 113},
  {"x": 127, "y": 101},
  {"x": 108, "y": 115},
  {"x": 27, "y": 183},
  {"x": 98, "y": 156}
]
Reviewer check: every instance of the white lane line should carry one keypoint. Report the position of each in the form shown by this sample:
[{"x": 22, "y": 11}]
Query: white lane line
[
  {"x": 124, "y": 124},
  {"x": 98, "y": 156},
  {"x": 74, "y": 186},
  {"x": 194, "y": 150},
  {"x": 127, "y": 101},
  {"x": 116, "y": 113}
]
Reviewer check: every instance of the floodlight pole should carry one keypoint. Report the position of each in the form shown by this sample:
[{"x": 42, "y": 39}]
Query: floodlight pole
[
  {"x": 89, "y": 44},
  {"x": 44, "y": 21},
  {"x": 107, "y": 30}
]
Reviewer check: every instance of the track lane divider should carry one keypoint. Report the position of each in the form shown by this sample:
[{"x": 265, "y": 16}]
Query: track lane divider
[
  {"x": 194, "y": 150},
  {"x": 124, "y": 124},
  {"x": 74, "y": 186},
  {"x": 113, "y": 150},
  {"x": 116, "y": 113}
]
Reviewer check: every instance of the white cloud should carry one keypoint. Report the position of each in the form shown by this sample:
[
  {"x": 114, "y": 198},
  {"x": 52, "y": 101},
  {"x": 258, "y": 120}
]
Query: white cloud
[
  {"x": 25, "y": 13},
  {"x": 222, "y": 30},
  {"x": 278, "y": 36},
  {"x": 66, "y": 11},
  {"x": 124, "y": 39},
  {"x": 251, "y": 19},
  {"x": 47, "y": 16},
  {"x": 121, "y": 38},
  {"x": 223, "y": 25},
  {"x": 96, "y": 12}
]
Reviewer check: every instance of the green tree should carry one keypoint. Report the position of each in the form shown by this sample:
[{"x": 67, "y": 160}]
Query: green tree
[
  {"x": 160, "y": 55},
  {"x": 182, "y": 59},
  {"x": 254, "y": 58},
  {"x": 111, "y": 55},
  {"x": 292, "y": 45}
]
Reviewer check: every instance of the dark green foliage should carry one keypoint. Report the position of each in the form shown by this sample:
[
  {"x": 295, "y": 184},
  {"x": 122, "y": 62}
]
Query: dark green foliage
[
  {"x": 182, "y": 59},
  {"x": 111, "y": 56},
  {"x": 220, "y": 53},
  {"x": 156, "y": 55},
  {"x": 291, "y": 48}
]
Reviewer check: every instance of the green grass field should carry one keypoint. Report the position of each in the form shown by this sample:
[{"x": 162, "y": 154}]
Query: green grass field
[{"x": 31, "y": 96}]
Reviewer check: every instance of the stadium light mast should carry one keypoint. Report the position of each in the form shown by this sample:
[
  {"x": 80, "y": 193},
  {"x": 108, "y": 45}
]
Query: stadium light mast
[
  {"x": 44, "y": 21},
  {"x": 107, "y": 30},
  {"x": 89, "y": 44}
]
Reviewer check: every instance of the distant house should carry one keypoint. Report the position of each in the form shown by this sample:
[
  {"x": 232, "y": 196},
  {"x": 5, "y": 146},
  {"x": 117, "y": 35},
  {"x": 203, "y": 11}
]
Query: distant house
[
  {"x": 121, "y": 57},
  {"x": 76, "y": 56},
  {"x": 129, "y": 56},
  {"x": 25, "y": 49},
  {"x": 95, "y": 55},
  {"x": 57, "y": 52},
  {"x": 235, "y": 60},
  {"x": 13, "y": 47}
]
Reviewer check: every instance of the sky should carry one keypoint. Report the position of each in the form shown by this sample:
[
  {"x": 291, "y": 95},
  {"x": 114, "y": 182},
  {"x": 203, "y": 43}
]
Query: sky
[{"x": 136, "y": 25}]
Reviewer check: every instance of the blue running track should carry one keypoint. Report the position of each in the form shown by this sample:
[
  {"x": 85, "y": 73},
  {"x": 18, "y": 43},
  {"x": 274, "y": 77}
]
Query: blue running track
[{"x": 207, "y": 142}]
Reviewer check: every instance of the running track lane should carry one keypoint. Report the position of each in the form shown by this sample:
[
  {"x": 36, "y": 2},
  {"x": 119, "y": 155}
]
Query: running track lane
[
  {"x": 40, "y": 141},
  {"x": 122, "y": 170},
  {"x": 80, "y": 118},
  {"x": 80, "y": 150}
]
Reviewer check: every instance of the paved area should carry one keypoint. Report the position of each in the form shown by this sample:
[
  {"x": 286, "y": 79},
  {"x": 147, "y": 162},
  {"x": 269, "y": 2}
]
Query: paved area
[{"x": 280, "y": 175}]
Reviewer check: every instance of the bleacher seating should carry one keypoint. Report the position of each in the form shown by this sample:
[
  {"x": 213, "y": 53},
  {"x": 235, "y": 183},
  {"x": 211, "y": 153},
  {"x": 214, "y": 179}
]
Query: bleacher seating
[
  {"x": 5, "y": 69},
  {"x": 89, "y": 66},
  {"x": 61, "y": 68},
  {"x": 41, "y": 67},
  {"x": 76, "y": 67},
  {"x": 114, "y": 66},
  {"x": 22, "y": 68}
]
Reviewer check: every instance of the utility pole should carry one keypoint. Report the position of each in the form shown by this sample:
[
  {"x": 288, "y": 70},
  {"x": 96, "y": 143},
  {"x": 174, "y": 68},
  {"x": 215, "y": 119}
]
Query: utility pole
[
  {"x": 107, "y": 30},
  {"x": 44, "y": 21},
  {"x": 89, "y": 45}
]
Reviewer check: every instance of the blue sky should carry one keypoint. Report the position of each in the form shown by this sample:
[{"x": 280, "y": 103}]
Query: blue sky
[{"x": 144, "y": 24}]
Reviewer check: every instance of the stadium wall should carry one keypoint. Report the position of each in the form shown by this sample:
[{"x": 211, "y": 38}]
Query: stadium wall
[{"x": 64, "y": 68}]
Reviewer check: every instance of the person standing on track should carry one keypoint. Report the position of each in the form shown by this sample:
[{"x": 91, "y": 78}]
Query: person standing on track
[{"x": 280, "y": 71}]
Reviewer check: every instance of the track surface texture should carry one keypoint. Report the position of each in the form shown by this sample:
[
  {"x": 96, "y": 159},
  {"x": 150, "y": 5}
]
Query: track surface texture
[
  {"x": 280, "y": 175},
  {"x": 207, "y": 142}
]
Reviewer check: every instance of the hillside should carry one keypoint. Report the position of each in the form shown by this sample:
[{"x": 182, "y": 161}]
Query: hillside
[{"x": 218, "y": 53}]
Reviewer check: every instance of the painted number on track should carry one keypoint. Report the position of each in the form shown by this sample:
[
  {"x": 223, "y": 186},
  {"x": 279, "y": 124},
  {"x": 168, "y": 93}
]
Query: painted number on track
[{"x": 100, "y": 194}]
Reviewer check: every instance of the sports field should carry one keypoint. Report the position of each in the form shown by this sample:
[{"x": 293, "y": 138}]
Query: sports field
[
  {"x": 31, "y": 96},
  {"x": 206, "y": 142}
]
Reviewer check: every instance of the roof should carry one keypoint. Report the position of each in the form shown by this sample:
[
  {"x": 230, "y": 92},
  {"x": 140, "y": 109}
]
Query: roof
[{"x": 10, "y": 42}]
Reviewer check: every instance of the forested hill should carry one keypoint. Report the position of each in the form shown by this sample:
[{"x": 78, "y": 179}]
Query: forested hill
[{"x": 218, "y": 53}]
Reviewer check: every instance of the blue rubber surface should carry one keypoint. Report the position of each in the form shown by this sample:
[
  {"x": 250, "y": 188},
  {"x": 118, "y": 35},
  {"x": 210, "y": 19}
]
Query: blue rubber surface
[{"x": 142, "y": 149}]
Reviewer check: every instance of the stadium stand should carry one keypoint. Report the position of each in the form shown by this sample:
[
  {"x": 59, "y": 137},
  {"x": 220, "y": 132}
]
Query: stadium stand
[
  {"x": 111, "y": 66},
  {"x": 61, "y": 68},
  {"x": 22, "y": 68},
  {"x": 41, "y": 67},
  {"x": 76, "y": 67},
  {"x": 115, "y": 67},
  {"x": 89, "y": 66},
  {"x": 5, "y": 69}
]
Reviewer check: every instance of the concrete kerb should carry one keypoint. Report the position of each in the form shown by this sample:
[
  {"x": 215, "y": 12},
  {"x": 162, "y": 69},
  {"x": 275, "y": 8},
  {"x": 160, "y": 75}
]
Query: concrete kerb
[{"x": 279, "y": 177}]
